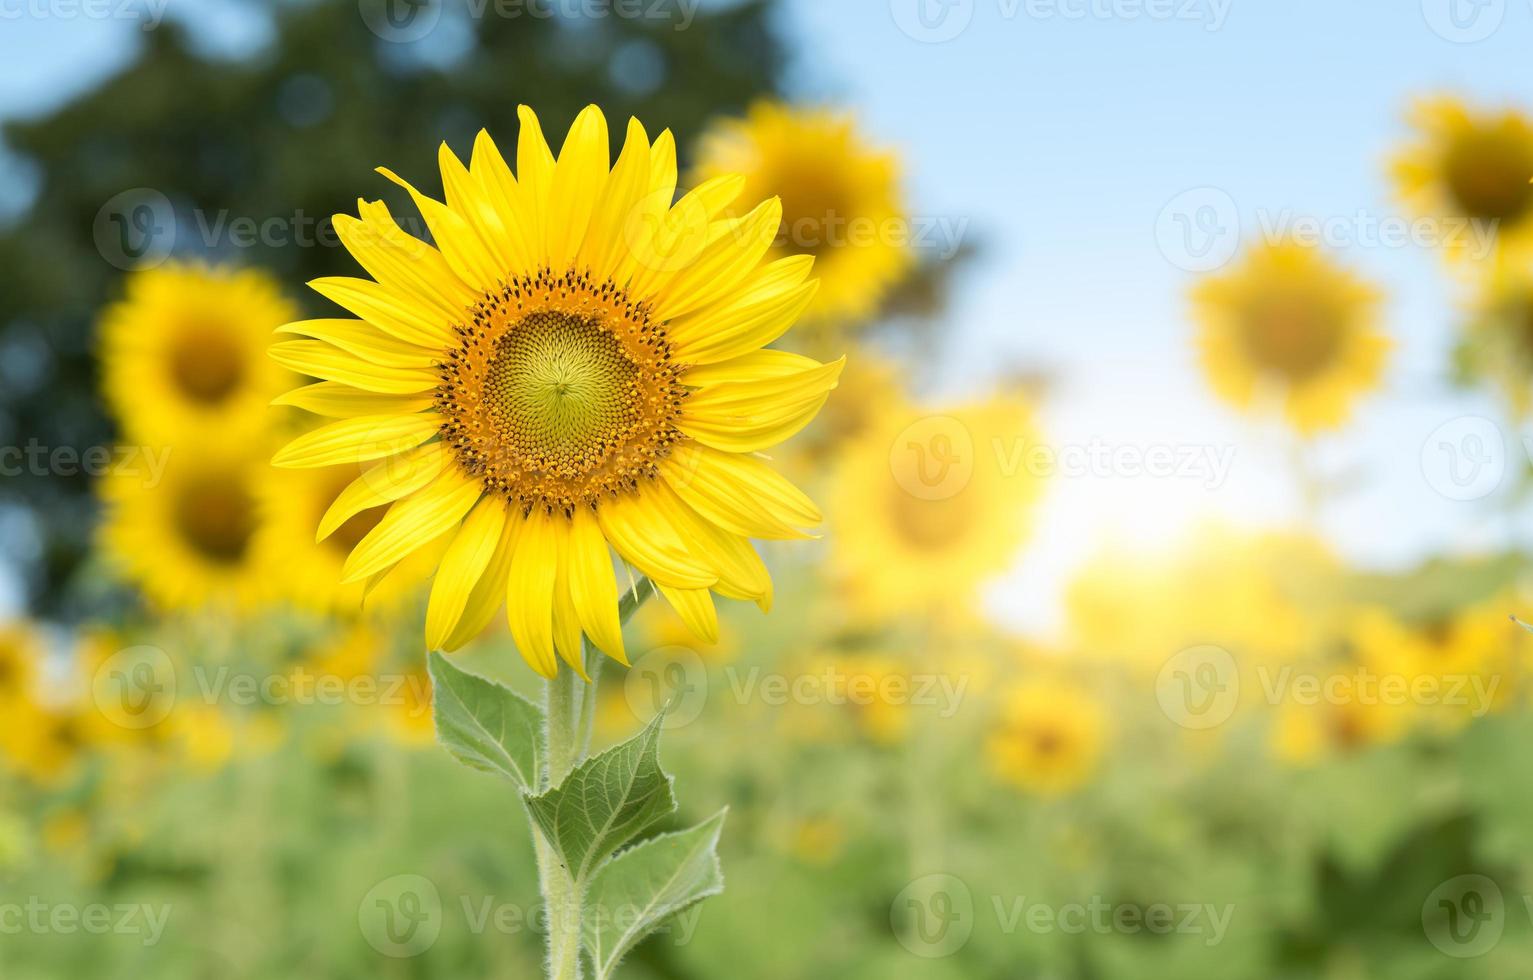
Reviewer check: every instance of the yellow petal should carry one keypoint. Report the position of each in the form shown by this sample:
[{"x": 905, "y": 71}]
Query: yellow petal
[
  {"x": 366, "y": 341},
  {"x": 335, "y": 400},
  {"x": 321, "y": 360},
  {"x": 382, "y": 483},
  {"x": 530, "y": 593},
  {"x": 593, "y": 587},
  {"x": 535, "y": 178},
  {"x": 624, "y": 191},
  {"x": 695, "y": 607},
  {"x": 736, "y": 249},
  {"x": 750, "y": 415},
  {"x": 397, "y": 313},
  {"x": 579, "y": 177},
  {"x": 489, "y": 593},
  {"x": 358, "y": 440},
  {"x": 462, "y": 567},
  {"x": 403, "y": 263},
  {"x": 466, "y": 197},
  {"x": 649, "y": 544},
  {"x": 466, "y": 253},
  {"x": 762, "y": 310},
  {"x": 738, "y": 493},
  {"x": 488, "y": 168},
  {"x": 413, "y": 522},
  {"x": 566, "y": 620}
]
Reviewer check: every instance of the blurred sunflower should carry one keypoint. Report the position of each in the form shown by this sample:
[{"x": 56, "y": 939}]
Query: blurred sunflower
[
  {"x": 1350, "y": 717},
  {"x": 183, "y": 355},
  {"x": 1468, "y": 165},
  {"x": 21, "y": 648},
  {"x": 1288, "y": 323},
  {"x": 925, "y": 507},
  {"x": 1049, "y": 738},
  {"x": 577, "y": 370},
  {"x": 193, "y": 537},
  {"x": 1468, "y": 658},
  {"x": 841, "y": 199}
]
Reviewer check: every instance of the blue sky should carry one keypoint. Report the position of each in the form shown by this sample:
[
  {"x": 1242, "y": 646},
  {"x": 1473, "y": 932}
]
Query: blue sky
[{"x": 1056, "y": 132}]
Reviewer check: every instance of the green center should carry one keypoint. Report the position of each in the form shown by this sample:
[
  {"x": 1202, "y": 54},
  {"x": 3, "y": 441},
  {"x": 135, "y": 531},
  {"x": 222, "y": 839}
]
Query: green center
[{"x": 560, "y": 390}]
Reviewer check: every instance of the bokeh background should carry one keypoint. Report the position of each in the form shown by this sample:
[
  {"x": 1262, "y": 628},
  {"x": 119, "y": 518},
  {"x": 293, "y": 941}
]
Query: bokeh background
[{"x": 1175, "y": 493}]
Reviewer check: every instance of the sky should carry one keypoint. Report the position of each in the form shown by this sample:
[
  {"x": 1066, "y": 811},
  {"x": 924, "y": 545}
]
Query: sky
[{"x": 1093, "y": 149}]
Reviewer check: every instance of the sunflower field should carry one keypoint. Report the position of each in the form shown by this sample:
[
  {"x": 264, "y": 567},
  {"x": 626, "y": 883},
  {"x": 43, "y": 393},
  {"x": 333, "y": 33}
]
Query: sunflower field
[{"x": 674, "y": 489}]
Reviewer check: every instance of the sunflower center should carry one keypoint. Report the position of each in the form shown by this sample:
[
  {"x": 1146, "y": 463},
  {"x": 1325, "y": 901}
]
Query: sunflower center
[
  {"x": 216, "y": 517},
  {"x": 562, "y": 391},
  {"x": 206, "y": 364},
  {"x": 1295, "y": 336},
  {"x": 1489, "y": 176}
]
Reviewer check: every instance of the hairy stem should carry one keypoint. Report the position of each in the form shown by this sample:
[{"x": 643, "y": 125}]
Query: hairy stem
[{"x": 570, "y": 704}]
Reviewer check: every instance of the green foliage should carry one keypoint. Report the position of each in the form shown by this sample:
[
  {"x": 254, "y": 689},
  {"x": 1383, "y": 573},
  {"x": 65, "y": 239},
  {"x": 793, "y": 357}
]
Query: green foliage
[{"x": 486, "y": 726}]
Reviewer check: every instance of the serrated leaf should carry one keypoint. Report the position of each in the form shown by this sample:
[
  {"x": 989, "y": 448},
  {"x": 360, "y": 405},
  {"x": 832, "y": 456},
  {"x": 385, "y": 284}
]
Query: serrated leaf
[
  {"x": 605, "y": 802},
  {"x": 633, "y": 894},
  {"x": 485, "y": 725}
]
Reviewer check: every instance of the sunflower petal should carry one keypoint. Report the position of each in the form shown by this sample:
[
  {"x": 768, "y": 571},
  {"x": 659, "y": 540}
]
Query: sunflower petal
[
  {"x": 648, "y": 543},
  {"x": 579, "y": 177},
  {"x": 366, "y": 341},
  {"x": 462, "y": 567},
  {"x": 489, "y": 593},
  {"x": 335, "y": 400},
  {"x": 738, "y": 493},
  {"x": 357, "y": 440},
  {"x": 593, "y": 587},
  {"x": 736, "y": 250},
  {"x": 695, "y": 607},
  {"x": 530, "y": 593},
  {"x": 393, "y": 312},
  {"x": 413, "y": 521},
  {"x": 383, "y": 483}
]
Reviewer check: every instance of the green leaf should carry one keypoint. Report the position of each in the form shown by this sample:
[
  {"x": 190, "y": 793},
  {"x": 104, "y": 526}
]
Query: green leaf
[
  {"x": 485, "y": 725},
  {"x": 633, "y": 894},
  {"x": 605, "y": 802}
]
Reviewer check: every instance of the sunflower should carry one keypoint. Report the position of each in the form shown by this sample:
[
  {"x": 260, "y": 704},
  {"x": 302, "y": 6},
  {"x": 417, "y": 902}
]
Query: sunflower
[
  {"x": 1287, "y": 323},
  {"x": 193, "y": 537},
  {"x": 575, "y": 369},
  {"x": 20, "y": 653},
  {"x": 183, "y": 355},
  {"x": 841, "y": 199},
  {"x": 1049, "y": 737},
  {"x": 1468, "y": 165},
  {"x": 926, "y": 506}
]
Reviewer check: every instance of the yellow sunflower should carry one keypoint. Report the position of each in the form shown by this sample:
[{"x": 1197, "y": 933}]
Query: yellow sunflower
[
  {"x": 927, "y": 505},
  {"x": 841, "y": 199},
  {"x": 1468, "y": 165},
  {"x": 1288, "y": 324},
  {"x": 20, "y": 652},
  {"x": 192, "y": 538},
  {"x": 1049, "y": 738},
  {"x": 574, "y": 369},
  {"x": 183, "y": 355}
]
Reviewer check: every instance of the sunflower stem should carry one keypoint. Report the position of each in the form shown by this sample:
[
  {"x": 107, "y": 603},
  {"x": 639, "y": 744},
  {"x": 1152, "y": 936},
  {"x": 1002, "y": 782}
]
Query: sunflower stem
[{"x": 571, "y": 711}]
